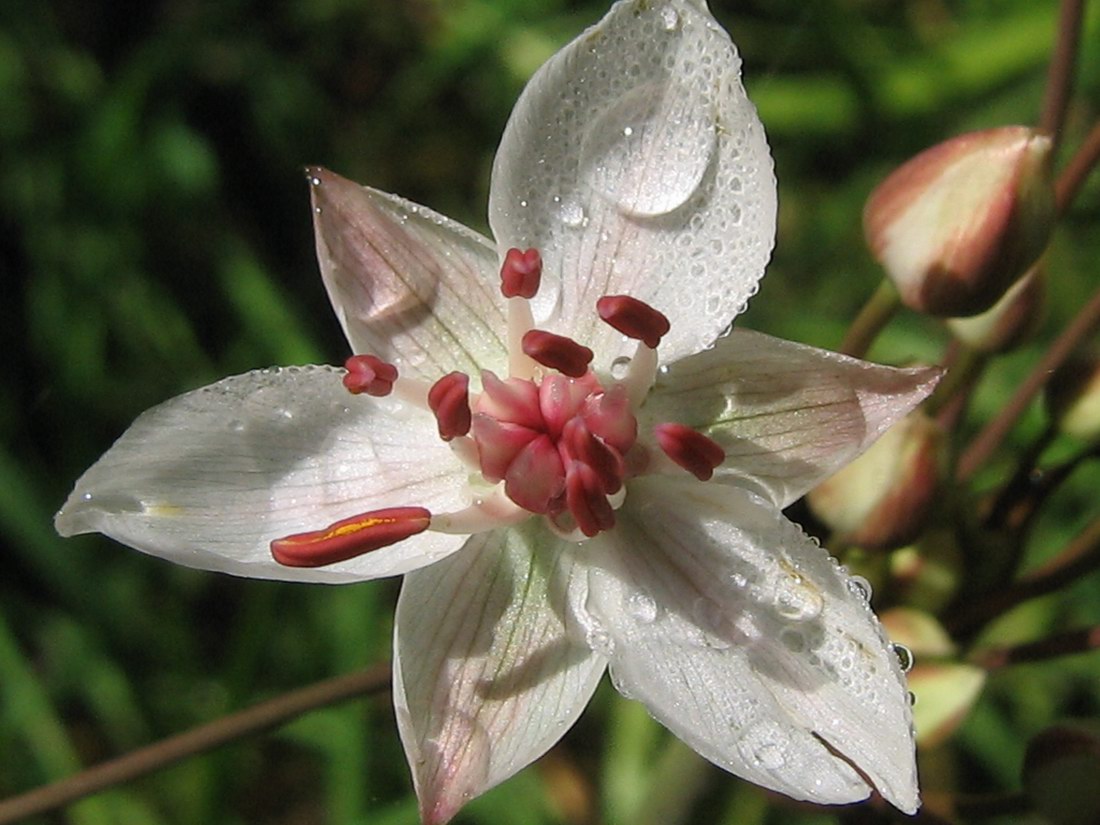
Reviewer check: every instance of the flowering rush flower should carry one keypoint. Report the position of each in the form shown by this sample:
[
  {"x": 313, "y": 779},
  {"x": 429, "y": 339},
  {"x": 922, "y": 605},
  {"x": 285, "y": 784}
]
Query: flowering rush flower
[{"x": 560, "y": 444}]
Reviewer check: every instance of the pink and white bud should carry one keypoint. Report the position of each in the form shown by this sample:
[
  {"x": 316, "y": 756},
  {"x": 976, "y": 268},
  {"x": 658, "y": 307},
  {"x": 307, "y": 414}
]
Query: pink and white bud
[
  {"x": 1010, "y": 321},
  {"x": 958, "y": 224},
  {"x": 882, "y": 499}
]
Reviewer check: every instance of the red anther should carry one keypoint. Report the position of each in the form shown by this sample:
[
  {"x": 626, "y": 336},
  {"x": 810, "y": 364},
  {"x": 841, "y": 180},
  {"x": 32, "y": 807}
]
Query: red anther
[
  {"x": 449, "y": 399},
  {"x": 513, "y": 400},
  {"x": 580, "y": 445},
  {"x": 536, "y": 477},
  {"x": 586, "y": 500},
  {"x": 557, "y": 352},
  {"x": 633, "y": 318},
  {"x": 351, "y": 537},
  {"x": 689, "y": 448},
  {"x": 521, "y": 273},
  {"x": 609, "y": 416},
  {"x": 369, "y": 374}
]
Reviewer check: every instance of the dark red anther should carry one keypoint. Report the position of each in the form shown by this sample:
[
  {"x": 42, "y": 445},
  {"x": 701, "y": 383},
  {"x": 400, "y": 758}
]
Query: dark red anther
[
  {"x": 579, "y": 444},
  {"x": 689, "y": 448},
  {"x": 634, "y": 319},
  {"x": 521, "y": 273},
  {"x": 351, "y": 537},
  {"x": 586, "y": 500},
  {"x": 369, "y": 374},
  {"x": 557, "y": 352},
  {"x": 449, "y": 399}
]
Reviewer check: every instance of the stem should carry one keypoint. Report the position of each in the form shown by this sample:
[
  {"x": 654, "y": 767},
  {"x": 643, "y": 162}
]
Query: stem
[
  {"x": 875, "y": 314},
  {"x": 1060, "y": 75},
  {"x": 990, "y": 438},
  {"x": 1080, "y": 557},
  {"x": 1082, "y": 640},
  {"x": 963, "y": 368},
  {"x": 1077, "y": 170},
  {"x": 977, "y": 806},
  {"x": 206, "y": 737}
]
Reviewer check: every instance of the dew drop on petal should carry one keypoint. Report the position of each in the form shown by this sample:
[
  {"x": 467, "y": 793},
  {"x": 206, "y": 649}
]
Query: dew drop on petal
[
  {"x": 236, "y": 425},
  {"x": 642, "y": 607},
  {"x": 797, "y": 600},
  {"x": 859, "y": 586},
  {"x": 670, "y": 19},
  {"x": 619, "y": 367},
  {"x": 572, "y": 214},
  {"x": 770, "y": 757},
  {"x": 600, "y": 641},
  {"x": 647, "y": 152},
  {"x": 904, "y": 656}
]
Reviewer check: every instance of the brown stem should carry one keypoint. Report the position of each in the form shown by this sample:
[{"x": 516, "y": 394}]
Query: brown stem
[
  {"x": 875, "y": 314},
  {"x": 206, "y": 737},
  {"x": 1082, "y": 640},
  {"x": 990, "y": 438},
  {"x": 1060, "y": 76},
  {"x": 1077, "y": 170},
  {"x": 1080, "y": 557}
]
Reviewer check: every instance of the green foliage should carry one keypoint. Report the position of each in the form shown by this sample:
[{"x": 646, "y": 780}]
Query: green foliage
[{"x": 156, "y": 236}]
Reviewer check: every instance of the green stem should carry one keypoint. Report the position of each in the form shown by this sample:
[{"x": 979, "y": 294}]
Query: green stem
[{"x": 872, "y": 318}]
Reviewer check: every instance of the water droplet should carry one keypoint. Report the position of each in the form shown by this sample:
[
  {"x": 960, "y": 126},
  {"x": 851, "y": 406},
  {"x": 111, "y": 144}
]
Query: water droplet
[
  {"x": 859, "y": 586},
  {"x": 572, "y": 214},
  {"x": 912, "y": 697},
  {"x": 739, "y": 580},
  {"x": 284, "y": 414},
  {"x": 316, "y": 210},
  {"x": 647, "y": 152},
  {"x": 86, "y": 497},
  {"x": 905, "y": 657},
  {"x": 236, "y": 425},
  {"x": 798, "y": 600},
  {"x": 642, "y": 607},
  {"x": 791, "y": 639},
  {"x": 523, "y": 203},
  {"x": 600, "y": 641},
  {"x": 315, "y": 181},
  {"x": 619, "y": 367},
  {"x": 770, "y": 756},
  {"x": 670, "y": 19}
]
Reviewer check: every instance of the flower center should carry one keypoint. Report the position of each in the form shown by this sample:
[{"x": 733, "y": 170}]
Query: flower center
[{"x": 553, "y": 438}]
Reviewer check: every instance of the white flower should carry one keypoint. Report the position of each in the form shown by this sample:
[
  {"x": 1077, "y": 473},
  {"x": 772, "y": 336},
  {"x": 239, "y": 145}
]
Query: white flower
[{"x": 564, "y": 525}]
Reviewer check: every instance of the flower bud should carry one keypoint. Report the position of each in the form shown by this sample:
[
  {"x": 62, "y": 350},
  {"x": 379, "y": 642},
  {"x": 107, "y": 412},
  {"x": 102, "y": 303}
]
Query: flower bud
[
  {"x": 1008, "y": 322},
  {"x": 1060, "y": 770},
  {"x": 927, "y": 574},
  {"x": 882, "y": 499},
  {"x": 958, "y": 224},
  {"x": 1073, "y": 396}
]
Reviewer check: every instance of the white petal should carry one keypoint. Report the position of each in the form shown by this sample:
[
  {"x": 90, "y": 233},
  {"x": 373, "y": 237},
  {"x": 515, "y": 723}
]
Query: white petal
[
  {"x": 489, "y": 670},
  {"x": 636, "y": 164},
  {"x": 752, "y": 646},
  {"x": 787, "y": 415},
  {"x": 407, "y": 284},
  {"x": 210, "y": 478}
]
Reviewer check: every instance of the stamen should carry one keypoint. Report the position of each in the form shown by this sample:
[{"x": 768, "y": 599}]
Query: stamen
[
  {"x": 587, "y": 500},
  {"x": 633, "y": 318},
  {"x": 369, "y": 374},
  {"x": 449, "y": 400},
  {"x": 521, "y": 273},
  {"x": 579, "y": 444},
  {"x": 351, "y": 537},
  {"x": 536, "y": 477},
  {"x": 689, "y": 448},
  {"x": 557, "y": 352}
]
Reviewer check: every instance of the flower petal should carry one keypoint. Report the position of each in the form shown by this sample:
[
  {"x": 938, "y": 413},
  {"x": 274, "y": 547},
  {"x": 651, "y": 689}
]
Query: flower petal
[
  {"x": 745, "y": 638},
  {"x": 210, "y": 478},
  {"x": 787, "y": 415},
  {"x": 636, "y": 164},
  {"x": 488, "y": 672},
  {"x": 407, "y": 284}
]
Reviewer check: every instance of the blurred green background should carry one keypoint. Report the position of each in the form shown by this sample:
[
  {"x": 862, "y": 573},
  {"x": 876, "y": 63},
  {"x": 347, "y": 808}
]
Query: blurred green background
[{"x": 156, "y": 236}]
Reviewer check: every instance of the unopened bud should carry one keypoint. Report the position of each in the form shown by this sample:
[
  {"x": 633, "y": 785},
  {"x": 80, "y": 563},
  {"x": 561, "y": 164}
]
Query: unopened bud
[
  {"x": 1010, "y": 321},
  {"x": 1060, "y": 770},
  {"x": 958, "y": 224},
  {"x": 1073, "y": 396},
  {"x": 883, "y": 498}
]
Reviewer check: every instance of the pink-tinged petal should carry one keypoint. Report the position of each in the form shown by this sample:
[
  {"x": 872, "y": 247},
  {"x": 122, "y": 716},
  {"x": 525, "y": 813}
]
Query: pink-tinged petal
[
  {"x": 211, "y": 478},
  {"x": 636, "y": 164},
  {"x": 408, "y": 285},
  {"x": 745, "y": 639},
  {"x": 787, "y": 415},
  {"x": 489, "y": 670}
]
